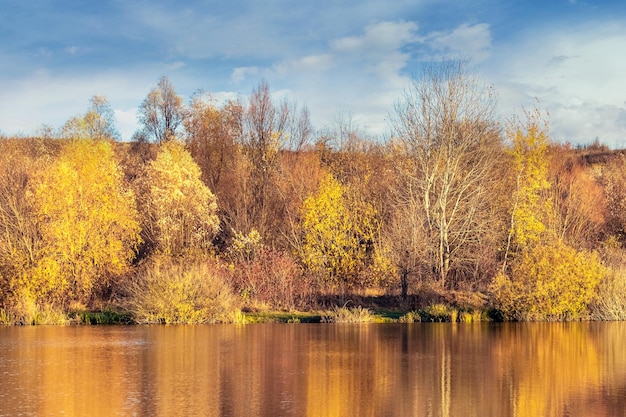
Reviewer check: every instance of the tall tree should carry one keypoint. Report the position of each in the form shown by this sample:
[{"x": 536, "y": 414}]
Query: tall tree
[
  {"x": 180, "y": 210},
  {"x": 87, "y": 219},
  {"x": 162, "y": 111},
  {"x": 20, "y": 240},
  {"x": 211, "y": 137},
  {"x": 529, "y": 210},
  {"x": 265, "y": 136},
  {"x": 97, "y": 123},
  {"x": 338, "y": 234},
  {"x": 445, "y": 123}
]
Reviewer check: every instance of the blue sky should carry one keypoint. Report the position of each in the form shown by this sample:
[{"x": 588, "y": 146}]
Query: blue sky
[{"x": 337, "y": 57}]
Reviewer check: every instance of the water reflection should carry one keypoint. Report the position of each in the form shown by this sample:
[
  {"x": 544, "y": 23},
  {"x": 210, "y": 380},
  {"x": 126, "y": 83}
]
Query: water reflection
[{"x": 574, "y": 369}]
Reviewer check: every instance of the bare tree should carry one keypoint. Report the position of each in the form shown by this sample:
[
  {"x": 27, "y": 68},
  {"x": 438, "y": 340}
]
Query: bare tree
[
  {"x": 300, "y": 129},
  {"x": 269, "y": 129},
  {"x": 211, "y": 136},
  {"x": 445, "y": 125},
  {"x": 162, "y": 111}
]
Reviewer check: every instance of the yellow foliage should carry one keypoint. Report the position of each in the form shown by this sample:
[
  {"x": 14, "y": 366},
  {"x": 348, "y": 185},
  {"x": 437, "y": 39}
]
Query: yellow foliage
[
  {"x": 548, "y": 282},
  {"x": 530, "y": 163},
  {"x": 337, "y": 232},
  {"x": 181, "y": 209},
  {"x": 245, "y": 247},
  {"x": 181, "y": 291},
  {"x": 87, "y": 220}
]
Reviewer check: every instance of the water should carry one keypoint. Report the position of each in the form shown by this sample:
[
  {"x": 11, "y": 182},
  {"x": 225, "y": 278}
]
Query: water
[{"x": 536, "y": 369}]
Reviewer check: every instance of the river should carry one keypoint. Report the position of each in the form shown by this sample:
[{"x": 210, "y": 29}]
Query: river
[{"x": 422, "y": 369}]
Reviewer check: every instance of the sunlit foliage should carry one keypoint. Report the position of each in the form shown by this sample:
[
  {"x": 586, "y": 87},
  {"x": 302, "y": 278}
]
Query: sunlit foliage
[
  {"x": 87, "y": 220},
  {"x": 339, "y": 232},
  {"x": 20, "y": 241},
  {"x": 548, "y": 282},
  {"x": 171, "y": 291},
  {"x": 529, "y": 155},
  {"x": 179, "y": 210},
  {"x": 97, "y": 123}
]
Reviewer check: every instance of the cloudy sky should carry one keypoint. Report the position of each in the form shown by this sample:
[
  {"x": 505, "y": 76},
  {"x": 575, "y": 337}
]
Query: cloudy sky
[{"x": 337, "y": 57}]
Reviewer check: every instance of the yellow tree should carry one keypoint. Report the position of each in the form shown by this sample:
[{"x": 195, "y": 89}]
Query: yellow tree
[
  {"x": 180, "y": 211},
  {"x": 546, "y": 279},
  {"x": 87, "y": 219},
  {"x": 20, "y": 241},
  {"x": 529, "y": 157},
  {"x": 97, "y": 123},
  {"x": 339, "y": 233},
  {"x": 549, "y": 281}
]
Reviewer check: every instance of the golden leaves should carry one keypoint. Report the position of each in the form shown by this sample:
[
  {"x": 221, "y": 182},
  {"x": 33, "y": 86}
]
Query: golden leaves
[
  {"x": 181, "y": 210},
  {"x": 87, "y": 218},
  {"x": 338, "y": 233}
]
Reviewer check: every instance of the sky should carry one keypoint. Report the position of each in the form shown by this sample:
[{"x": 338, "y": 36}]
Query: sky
[{"x": 350, "y": 58}]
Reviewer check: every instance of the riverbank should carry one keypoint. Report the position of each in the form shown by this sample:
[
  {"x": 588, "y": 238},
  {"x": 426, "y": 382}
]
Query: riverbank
[
  {"x": 432, "y": 313},
  {"x": 425, "y": 306}
]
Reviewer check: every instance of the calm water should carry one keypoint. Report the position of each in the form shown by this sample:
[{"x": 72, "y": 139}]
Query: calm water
[{"x": 571, "y": 369}]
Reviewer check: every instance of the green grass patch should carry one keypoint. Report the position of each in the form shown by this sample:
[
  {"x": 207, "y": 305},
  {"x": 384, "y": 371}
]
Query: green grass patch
[
  {"x": 101, "y": 317},
  {"x": 281, "y": 317}
]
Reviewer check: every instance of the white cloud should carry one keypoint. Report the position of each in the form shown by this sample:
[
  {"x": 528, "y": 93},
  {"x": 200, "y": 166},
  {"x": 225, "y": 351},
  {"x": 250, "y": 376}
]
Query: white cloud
[
  {"x": 309, "y": 63},
  {"x": 71, "y": 50},
  {"x": 126, "y": 122},
  {"x": 173, "y": 66},
  {"x": 42, "y": 98},
  {"x": 239, "y": 74},
  {"x": 576, "y": 74},
  {"x": 378, "y": 39},
  {"x": 363, "y": 73},
  {"x": 473, "y": 41}
]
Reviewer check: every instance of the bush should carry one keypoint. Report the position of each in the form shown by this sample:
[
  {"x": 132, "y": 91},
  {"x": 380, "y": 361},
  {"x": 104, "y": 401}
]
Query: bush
[
  {"x": 180, "y": 291},
  {"x": 26, "y": 309},
  {"x": 610, "y": 302},
  {"x": 439, "y": 312},
  {"x": 347, "y": 315},
  {"x": 274, "y": 279},
  {"x": 548, "y": 282},
  {"x": 410, "y": 317}
]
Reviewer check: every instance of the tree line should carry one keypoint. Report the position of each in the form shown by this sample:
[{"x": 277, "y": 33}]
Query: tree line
[{"x": 217, "y": 206}]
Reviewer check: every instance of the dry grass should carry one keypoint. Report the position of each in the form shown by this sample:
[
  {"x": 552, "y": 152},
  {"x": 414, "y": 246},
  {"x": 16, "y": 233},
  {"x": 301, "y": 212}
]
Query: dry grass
[
  {"x": 348, "y": 315},
  {"x": 610, "y": 302},
  {"x": 169, "y": 291}
]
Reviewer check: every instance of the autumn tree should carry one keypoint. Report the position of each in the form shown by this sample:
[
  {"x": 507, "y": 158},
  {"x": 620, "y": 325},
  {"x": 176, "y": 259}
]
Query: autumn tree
[
  {"x": 529, "y": 159},
  {"x": 20, "y": 241},
  {"x": 549, "y": 281},
  {"x": 338, "y": 234},
  {"x": 445, "y": 125},
  {"x": 162, "y": 112},
  {"x": 213, "y": 132},
  {"x": 365, "y": 168},
  {"x": 612, "y": 177},
  {"x": 179, "y": 209},
  {"x": 87, "y": 219},
  {"x": 211, "y": 137},
  {"x": 267, "y": 131},
  {"x": 542, "y": 278},
  {"x": 97, "y": 123},
  {"x": 579, "y": 206}
]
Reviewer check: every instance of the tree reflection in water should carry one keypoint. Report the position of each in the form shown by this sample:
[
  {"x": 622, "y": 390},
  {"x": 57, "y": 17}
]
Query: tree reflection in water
[{"x": 422, "y": 369}]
